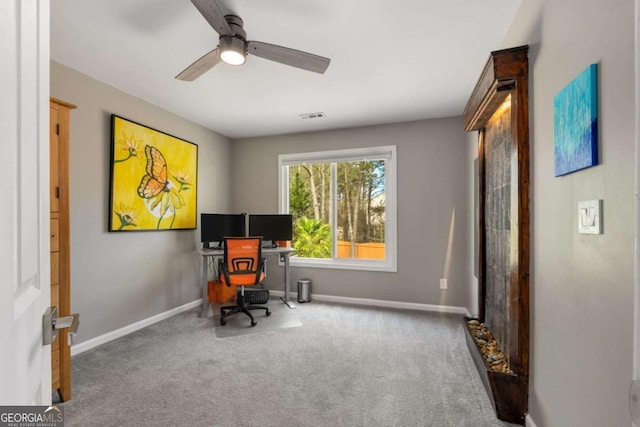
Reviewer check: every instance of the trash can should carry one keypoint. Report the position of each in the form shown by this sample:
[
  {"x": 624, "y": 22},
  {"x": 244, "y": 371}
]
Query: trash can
[{"x": 304, "y": 290}]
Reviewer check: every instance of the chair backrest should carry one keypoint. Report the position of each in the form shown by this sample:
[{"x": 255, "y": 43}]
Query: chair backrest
[{"x": 243, "y": 264}]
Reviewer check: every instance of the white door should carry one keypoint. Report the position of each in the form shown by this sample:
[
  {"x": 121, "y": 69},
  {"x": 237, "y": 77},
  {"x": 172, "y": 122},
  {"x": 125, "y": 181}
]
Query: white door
[
  {"x": 634, "y": 394},
  {"x": 25, "y": 363}
]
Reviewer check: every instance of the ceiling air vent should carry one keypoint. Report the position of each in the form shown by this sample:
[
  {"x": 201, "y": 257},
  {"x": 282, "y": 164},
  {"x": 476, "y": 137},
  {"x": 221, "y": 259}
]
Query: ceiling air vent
[{"x": 312, "y": 116}]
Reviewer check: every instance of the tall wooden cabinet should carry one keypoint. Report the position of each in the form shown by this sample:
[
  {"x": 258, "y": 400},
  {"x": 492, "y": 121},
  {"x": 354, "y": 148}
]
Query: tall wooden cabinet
[{"x": 60, "y": 251}]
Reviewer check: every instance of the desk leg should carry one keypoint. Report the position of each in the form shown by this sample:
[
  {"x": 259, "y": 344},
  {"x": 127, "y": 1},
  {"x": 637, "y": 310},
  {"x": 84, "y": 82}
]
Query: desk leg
[
  {"x": 205, "y": 289},
  {"x": 287, "y": 278}
]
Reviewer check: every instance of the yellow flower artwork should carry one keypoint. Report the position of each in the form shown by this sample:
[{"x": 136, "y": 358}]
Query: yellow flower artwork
[{"x": 153, "y": 179}]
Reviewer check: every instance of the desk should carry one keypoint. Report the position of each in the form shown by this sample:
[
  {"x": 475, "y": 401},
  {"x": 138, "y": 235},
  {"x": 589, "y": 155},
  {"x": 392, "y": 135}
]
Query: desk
[{"x": 280, "y": 253}]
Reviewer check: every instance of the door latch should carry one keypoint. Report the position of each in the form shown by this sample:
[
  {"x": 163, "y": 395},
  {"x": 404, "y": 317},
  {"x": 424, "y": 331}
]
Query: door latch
[{"x": 51, "y": 324}]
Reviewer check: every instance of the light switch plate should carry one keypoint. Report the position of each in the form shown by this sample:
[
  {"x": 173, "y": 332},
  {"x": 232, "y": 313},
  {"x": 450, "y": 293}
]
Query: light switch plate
[{"x": 590, "y": 217}]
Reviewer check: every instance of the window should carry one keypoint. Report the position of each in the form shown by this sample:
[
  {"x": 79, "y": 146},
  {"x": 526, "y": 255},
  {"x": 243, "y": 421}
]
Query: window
[{"x": 344, "y": 207}]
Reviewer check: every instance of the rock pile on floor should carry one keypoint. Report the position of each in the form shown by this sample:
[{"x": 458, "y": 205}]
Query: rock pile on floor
[{"x": 493, "y": 357}]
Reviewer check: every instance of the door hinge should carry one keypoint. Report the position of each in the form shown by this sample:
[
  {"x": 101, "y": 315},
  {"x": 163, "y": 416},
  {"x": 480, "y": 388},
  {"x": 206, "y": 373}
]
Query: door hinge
[
  {"x": 57, "y": 192},
  {"x": 57, "y": 128}
]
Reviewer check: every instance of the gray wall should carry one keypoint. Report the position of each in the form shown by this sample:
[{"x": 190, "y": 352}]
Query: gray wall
[
  {"x": 582, "y": 285},
  {"x": 432, "y": 193},
  {"x": 472, "y": 184},
  {"x": 120, "y": 278}
]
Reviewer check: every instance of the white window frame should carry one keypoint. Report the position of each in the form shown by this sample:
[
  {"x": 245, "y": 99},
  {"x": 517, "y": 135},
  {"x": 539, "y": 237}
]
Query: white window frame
[{"x": 386, "y": 153}]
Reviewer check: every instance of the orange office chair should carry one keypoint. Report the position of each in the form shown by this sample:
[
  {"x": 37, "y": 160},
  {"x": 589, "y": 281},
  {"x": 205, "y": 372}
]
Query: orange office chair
[{"x": 243, "y": 265}]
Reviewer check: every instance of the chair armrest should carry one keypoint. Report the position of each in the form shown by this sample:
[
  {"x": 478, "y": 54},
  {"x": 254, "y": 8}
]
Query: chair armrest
[
  {"x": 225, "y": 271},
  {"x": 261, "y": 269}
]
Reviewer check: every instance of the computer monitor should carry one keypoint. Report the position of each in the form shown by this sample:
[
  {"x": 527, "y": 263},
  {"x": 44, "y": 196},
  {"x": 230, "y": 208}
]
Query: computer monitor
[
  {"x": 215, "y": 227},
  {"x": 271, "y": 227}
]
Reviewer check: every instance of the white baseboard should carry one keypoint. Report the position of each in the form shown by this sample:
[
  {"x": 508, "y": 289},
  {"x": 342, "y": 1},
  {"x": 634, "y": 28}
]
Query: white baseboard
[
  {"x": 528, "y": 421},
  {"x": 110, "y": 336},
  {"x": 380, "y": 303}
]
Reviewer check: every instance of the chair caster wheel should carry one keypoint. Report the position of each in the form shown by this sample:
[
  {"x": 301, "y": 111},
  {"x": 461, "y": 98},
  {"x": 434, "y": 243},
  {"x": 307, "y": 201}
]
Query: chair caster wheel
[
  {"x": 253, "y": 324},
  {"x": 223, "y": 322},
  {"x": 268, "y": 313}
]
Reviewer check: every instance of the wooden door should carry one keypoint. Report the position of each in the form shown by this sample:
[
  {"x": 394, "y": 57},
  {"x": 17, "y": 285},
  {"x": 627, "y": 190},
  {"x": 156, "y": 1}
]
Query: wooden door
[{"x": 60, "y": 253}]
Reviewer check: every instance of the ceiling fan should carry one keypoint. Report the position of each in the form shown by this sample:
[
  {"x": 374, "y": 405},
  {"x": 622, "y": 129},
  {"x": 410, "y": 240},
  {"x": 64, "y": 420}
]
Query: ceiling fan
[{"x": 233, "y": 46}]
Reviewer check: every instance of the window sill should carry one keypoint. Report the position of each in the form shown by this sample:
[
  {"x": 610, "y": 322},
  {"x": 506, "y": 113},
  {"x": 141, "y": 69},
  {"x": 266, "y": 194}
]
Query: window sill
[{"x": 382, "y": 266}]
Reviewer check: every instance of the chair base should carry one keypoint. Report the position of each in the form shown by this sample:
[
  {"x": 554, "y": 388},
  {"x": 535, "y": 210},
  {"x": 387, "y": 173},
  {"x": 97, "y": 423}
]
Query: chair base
[{"x": 242, "y": 307}]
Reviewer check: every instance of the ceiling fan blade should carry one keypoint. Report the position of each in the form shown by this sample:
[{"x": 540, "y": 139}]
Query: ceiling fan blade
[
  {"x": 292, "y": 57},
  {"x": 200, "y": 67},
  {"x": 214, "y": 16}
]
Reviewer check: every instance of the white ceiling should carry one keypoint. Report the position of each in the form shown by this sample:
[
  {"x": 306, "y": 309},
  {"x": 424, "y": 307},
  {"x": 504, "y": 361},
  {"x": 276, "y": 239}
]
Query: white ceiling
[{"x": 391, "y": 61}]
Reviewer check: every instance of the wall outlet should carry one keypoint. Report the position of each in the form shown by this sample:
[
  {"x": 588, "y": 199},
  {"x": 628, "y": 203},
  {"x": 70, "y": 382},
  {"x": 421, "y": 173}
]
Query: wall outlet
[{"x": 443, "y": 283}]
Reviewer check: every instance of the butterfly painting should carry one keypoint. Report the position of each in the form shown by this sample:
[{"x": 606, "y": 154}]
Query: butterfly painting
[{"x": 154, "y": 192}]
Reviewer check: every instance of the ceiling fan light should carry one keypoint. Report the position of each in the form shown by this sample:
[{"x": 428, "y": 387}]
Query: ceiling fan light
[
  {"x": 233, "y": 50},
  {"x": 232, "y": 57}
]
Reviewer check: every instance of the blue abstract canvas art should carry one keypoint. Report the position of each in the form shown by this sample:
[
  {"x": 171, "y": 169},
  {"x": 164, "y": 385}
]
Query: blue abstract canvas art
[{"x": 576, "y": 123}]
